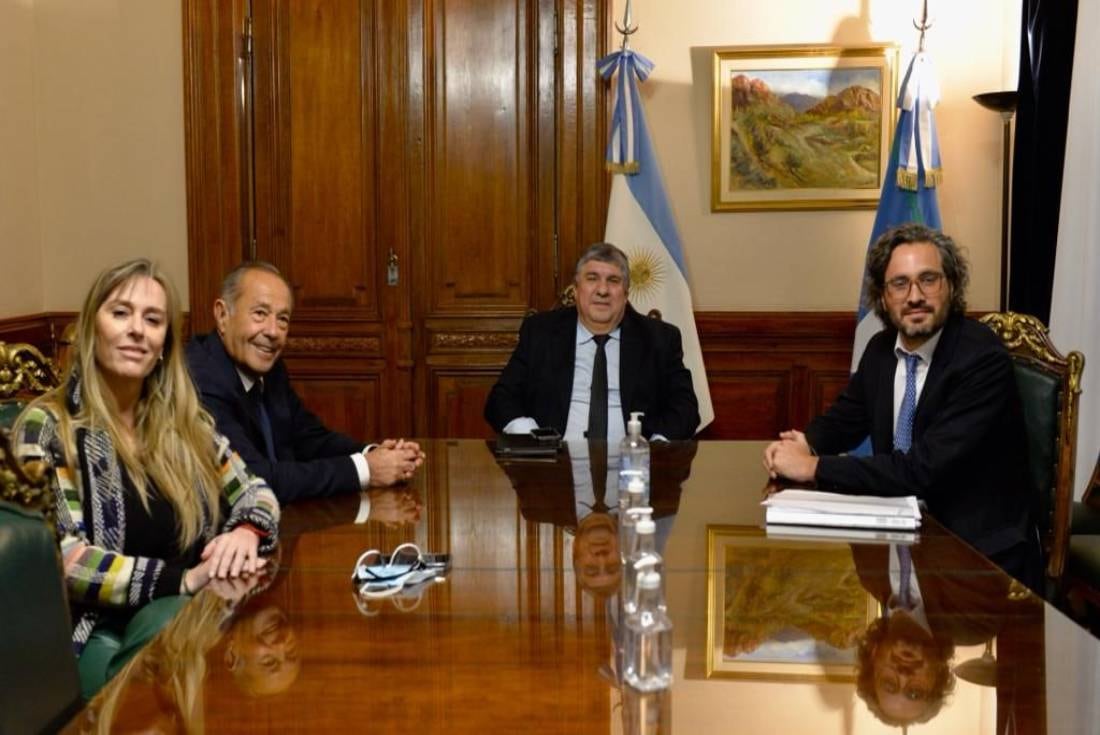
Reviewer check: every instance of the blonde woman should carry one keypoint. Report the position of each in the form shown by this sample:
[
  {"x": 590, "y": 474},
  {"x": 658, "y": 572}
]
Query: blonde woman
[{"x": 151, "y": 502}]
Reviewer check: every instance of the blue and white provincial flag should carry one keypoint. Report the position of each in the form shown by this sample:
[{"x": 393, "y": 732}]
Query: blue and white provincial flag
[
  {"x": 640, "y": 222},
  {"x": 912, "y": 173}
]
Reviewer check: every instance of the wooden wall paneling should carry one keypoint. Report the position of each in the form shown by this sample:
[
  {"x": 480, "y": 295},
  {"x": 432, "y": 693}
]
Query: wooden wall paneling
[
  {"x": 315, "y": 153},
  {"x": 480, "y": 229},
  {"x": 347, "y": 402},
  {"x": 582, "y": 111},
  {"x": 393, "y": 212},
  {"x": 464, "y": 359},
  {"x": 214, "y": 84},
  {"x": 772, "y": 371}
]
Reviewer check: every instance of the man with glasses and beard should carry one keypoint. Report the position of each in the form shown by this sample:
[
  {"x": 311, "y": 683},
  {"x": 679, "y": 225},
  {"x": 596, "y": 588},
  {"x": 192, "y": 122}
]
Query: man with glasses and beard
[{"x": 935, "y": 392}]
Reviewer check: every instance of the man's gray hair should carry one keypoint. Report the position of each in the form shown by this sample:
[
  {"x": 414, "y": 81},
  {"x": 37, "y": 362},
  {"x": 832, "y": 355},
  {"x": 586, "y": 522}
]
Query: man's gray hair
[
  {"x": 605, "y": 252},
  {"x": 231, "y": 284}
]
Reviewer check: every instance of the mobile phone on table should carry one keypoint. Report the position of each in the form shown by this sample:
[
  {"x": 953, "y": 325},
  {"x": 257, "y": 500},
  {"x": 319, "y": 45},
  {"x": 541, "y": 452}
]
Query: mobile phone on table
[{"x": 547, "y": 434}]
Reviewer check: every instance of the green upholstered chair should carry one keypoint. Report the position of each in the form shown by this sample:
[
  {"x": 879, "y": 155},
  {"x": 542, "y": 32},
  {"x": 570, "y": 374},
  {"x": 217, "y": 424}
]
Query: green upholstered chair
[
  {"x": 1081, "y": 580},
  {"x": 1049, "y": 384},
  {"x": 24, "y": 373},
  {"x": 39, "y": 689}
]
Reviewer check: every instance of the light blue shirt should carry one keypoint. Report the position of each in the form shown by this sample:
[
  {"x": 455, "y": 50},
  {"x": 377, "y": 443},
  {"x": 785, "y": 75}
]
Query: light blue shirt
[{"x": 577, "y": 423}]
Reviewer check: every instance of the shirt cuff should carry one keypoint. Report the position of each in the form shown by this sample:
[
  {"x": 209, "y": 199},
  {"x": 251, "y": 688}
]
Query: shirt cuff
[
  {"x": 359, "y": 459},
  {"x": 522, "y": 425},
  {"x": 658, "y": 438},
  {"x": 364, "y": 508}
]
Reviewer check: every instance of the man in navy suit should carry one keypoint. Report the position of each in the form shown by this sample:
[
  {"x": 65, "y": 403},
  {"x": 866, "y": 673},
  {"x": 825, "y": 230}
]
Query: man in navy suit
[
  {"x": 552, "y": 375},
  {"x": 935, "y": 391},
  {"x": 244, "y": 384}
]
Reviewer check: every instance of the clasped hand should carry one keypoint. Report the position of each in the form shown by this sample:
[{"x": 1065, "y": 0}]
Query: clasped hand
[
  {"x": 393, "y": 461},
  {"x": 790, "y": 457},
  {"x": 228, "y": 556}
]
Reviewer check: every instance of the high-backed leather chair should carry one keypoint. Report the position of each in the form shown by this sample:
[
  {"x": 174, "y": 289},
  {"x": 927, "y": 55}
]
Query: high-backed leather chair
[
  {"x": 39, "y": 689},
  {"x": 1081, "y": 580},
  {"x": 24, "y": 373},
  {"x": 1049, "y": 385}
]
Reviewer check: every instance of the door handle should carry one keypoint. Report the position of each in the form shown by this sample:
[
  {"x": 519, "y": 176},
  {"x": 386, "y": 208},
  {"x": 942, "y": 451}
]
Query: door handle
[{"x": 392, "y": 269}]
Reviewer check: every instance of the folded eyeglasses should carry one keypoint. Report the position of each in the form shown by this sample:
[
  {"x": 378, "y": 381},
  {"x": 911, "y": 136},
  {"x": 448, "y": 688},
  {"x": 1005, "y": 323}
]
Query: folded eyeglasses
[{"x": 380, "y": 575}]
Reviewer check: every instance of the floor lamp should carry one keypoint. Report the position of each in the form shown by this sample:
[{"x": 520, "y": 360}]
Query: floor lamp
[{"x": 1003, "y": 103}]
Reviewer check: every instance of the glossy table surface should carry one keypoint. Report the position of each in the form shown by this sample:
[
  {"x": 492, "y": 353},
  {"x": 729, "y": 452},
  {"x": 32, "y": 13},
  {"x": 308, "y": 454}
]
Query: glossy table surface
[{"x": 520, "y": 637}]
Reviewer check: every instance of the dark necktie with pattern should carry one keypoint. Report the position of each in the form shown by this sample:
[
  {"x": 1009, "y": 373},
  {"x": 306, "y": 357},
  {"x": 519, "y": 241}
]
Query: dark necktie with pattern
[
  {"x": 257, "y": 396},
  {"x": 903, "y": 434},
  {"x": 597, "y": 402}
]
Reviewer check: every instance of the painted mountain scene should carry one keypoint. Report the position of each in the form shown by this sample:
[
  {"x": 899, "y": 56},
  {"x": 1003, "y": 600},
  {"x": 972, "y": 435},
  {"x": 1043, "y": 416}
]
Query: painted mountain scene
[{"x": 805, "y": 129}]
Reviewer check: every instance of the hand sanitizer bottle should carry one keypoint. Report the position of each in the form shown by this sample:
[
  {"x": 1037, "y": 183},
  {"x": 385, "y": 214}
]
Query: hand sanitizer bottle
[
  {"x": 634, "y": 455},
  {"x": 648, "y": 638},
  {"x": 644, "y": 558},
  {"x": 629, "y": 502}
]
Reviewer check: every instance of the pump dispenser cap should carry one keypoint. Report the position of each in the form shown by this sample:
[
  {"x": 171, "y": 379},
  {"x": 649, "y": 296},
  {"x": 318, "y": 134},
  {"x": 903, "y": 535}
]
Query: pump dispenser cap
[
  {"x": 644, "y": 525},
  {"x": 636, "y": 485},
  {"x": 634, "y": 426},
  {"x": 649, "y": 580}
]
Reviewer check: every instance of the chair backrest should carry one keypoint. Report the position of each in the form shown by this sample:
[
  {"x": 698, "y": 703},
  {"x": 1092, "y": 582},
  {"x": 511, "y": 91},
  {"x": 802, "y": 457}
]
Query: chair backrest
[
  {"x": 39, "y": 687},
  {"x": 24, "y": 374},
  {"x": 1049, "y": 385}
]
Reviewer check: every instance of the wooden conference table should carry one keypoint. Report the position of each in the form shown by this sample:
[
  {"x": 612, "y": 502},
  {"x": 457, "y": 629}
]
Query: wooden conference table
[{"x": 511, "y": 642}]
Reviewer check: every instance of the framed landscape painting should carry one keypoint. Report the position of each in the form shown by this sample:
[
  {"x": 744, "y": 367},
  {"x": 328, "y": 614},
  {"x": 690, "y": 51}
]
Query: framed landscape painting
[
  {"x": 801, "y": 127},
  {"x": 782, "y": 610}
]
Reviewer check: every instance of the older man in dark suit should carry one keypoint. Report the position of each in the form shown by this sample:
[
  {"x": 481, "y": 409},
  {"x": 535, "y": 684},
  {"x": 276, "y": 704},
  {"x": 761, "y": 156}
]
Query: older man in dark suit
[
  {"x": 244, "y": 384},
  {"x": 936, "y": 394},
  {"x": 583, "y": 370}
]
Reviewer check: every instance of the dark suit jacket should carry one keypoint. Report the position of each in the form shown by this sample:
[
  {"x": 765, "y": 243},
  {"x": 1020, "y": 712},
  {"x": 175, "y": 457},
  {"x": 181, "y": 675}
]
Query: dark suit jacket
[
  {"x": 312, "y": 461},
  {"x": 968, "y": 457},
  {"x": 538, "y": 380}
]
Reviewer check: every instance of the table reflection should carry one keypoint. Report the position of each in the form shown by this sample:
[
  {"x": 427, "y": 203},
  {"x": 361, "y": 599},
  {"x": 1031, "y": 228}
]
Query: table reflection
[{"x": 522, "y": 638}]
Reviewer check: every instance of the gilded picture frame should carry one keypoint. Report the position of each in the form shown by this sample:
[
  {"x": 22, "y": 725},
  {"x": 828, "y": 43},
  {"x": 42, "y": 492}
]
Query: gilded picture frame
[
  {"x": 782, "y": 610},
  {"x": 801, "y": 127}
]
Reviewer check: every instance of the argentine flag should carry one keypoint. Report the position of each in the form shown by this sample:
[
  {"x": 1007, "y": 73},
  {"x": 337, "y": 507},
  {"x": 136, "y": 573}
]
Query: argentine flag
[
  {"x": 912, "y": 173},
  {"x": 639, "y": 219}
]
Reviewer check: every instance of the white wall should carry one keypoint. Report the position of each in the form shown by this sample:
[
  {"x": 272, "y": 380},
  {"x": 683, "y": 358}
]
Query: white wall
[
  {"x": 19, "y": 223},
  {"x": 813, "y": 260},
  {"x": 100, "y": 159}
]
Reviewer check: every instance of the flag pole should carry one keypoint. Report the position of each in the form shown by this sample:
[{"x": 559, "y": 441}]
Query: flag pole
[
  {"x": 921, "y": 26},
  {"x": 627, "y": 29}
]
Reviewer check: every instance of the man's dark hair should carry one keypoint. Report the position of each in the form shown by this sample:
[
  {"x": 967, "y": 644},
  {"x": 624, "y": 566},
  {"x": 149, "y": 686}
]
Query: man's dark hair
[
  {"x": 941, "y": 650},
  {"x": 231, "y": 284},
  {"x": 605, "y": 252},
  {"x": 955, "y": 267}
]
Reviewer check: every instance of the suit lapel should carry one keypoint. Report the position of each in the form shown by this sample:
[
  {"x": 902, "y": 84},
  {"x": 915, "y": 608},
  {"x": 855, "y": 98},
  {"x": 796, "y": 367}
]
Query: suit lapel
[
  {"x": 230, "y": 382},
  {"x": 941, "y": 361},
  {"x": 563, "y": 357},
  {"x": 630, "y": 353},
  {"x": 883, "y": 437}
]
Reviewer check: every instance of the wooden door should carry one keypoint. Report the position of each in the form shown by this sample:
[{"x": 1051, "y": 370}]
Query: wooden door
[{"x": 458, "y": 140}]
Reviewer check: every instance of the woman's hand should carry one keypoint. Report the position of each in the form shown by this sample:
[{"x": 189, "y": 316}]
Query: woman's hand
[{"x": 227, "y": 556}]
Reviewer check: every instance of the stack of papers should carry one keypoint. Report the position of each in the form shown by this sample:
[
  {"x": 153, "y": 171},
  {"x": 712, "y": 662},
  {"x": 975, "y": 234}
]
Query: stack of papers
[
  {"x": 844, "y": 535},
  {"x": 815, "y": 508}
]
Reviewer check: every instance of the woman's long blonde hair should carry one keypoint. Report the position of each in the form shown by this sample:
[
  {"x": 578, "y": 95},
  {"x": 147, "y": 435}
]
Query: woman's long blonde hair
[{"x": 174, "y": 436}]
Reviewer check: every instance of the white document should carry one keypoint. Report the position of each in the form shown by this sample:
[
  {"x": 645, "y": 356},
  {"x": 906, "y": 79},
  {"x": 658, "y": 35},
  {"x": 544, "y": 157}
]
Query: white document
[
  {"x": 849, "y": 535},
  {"x": 816, "y": 508}
]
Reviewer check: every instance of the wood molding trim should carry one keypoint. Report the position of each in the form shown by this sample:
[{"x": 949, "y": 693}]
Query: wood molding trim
[{"x": 768, "y": 371}]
